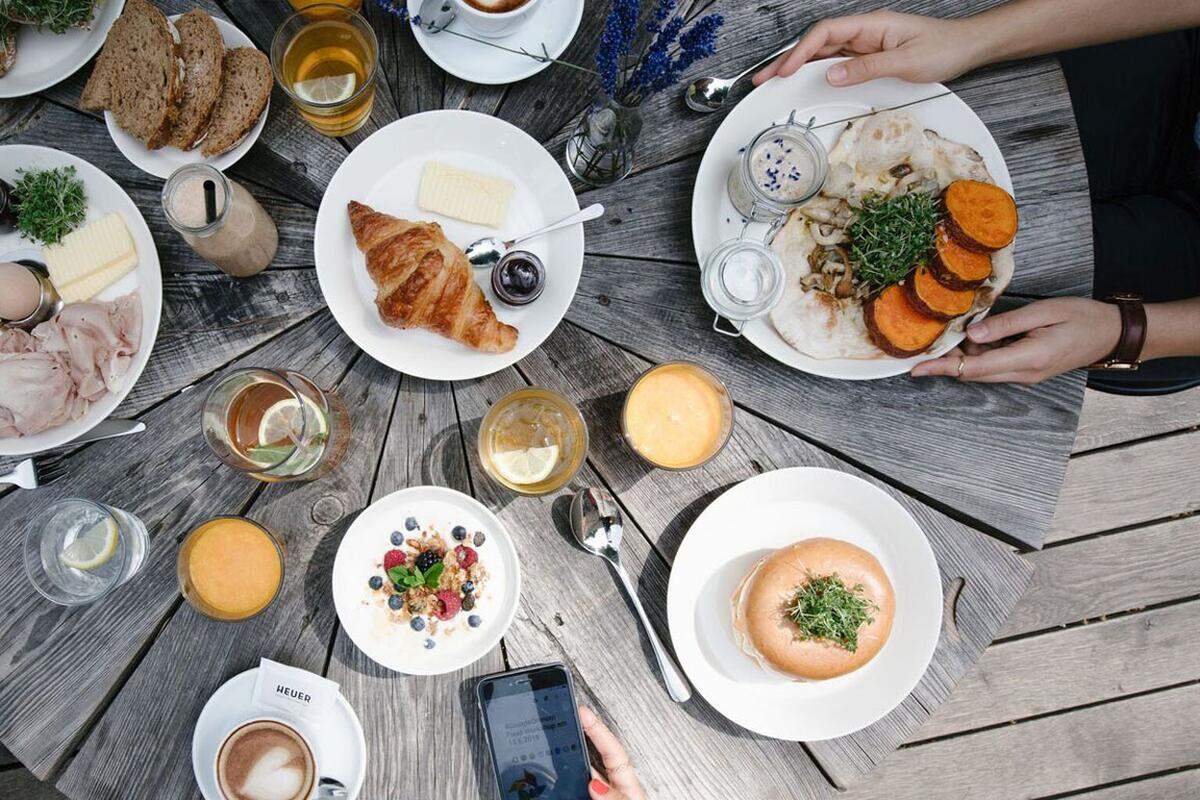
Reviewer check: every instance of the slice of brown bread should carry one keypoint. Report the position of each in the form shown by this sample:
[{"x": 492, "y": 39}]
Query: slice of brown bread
[
  {"x": 203, "y": 52},
  {"x": 139, "y": 75},
  {"x": 243, "y": 97}
]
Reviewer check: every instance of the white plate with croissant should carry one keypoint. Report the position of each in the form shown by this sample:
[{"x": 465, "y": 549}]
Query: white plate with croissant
[{"x": 393, "y": 273}]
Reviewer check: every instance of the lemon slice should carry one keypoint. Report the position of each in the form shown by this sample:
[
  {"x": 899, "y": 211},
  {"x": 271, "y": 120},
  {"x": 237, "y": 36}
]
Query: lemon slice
[
  {"x": 281, "y": 421},
  {"x": 522, "y": 467},
  {"x": 327, "y": 89},
  {"x": 92, "y": 548}
]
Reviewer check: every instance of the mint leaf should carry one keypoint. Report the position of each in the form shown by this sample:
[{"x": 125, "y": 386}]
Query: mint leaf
[
  {"x": 434, "y": 575},
  {"x": 399, "y": 574}
]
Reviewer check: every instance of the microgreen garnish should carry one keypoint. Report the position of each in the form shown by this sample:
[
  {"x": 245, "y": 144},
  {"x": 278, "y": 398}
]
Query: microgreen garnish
[
  {"x": 57, "y": 15},
  {"x": 50, "y": 203},
  {"x": 823, "y": 608},
  {"x": 890, "y": 236},
  {"x": 414, "y": 578}
]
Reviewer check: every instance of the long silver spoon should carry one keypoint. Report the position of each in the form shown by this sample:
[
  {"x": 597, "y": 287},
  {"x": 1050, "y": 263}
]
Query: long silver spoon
[
  {"x": 487, "y": 251},
  {"x": 597, "y": 525},
  {"x": 436, "y": 15},
  {"x": 709, "y": 94}
]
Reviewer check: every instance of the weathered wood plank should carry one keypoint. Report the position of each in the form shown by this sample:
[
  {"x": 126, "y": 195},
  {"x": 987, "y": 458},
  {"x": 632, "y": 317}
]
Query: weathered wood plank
[
  {"x": 409, "y": 714},
  {"x": 1088, "y": 579},
  {"x": 1074, "y": 667},
  {"x": 1061, "y": 753},
  {"x": 572, "y": 611},
  {"x": 598, "y": 375},
  {"x": 1110, "y": 419},
  {"x": 1146, "y": 481},
  {"x": 19, "y": 784},
  {"x": 926, "y": 434},
  {"x": 1175, "y": 786},
  {"x": 143, "y": 739},
  {"x": 58, "y": 667}
]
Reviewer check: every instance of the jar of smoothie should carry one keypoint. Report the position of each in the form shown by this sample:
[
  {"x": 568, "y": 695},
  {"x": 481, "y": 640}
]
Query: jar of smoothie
[
  {"x": 220, "y": 220},
  {"x": 778, "y": 170}
]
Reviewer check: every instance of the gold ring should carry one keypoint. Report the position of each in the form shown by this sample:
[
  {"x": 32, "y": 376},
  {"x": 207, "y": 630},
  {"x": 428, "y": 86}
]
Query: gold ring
[{"x": 962, "y": 362}]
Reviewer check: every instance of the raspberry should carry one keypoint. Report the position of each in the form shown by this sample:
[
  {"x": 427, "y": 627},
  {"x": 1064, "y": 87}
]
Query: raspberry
[
  {"x": 451, "y": 604},
  {"x": 394, "y": 558},
  {"x": 466, "y": 556}
]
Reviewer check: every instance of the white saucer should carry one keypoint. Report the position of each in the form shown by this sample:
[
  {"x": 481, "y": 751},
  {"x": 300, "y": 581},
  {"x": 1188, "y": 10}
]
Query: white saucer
[
  {"x": 165, "y": 160},
  {"x": 343, "y": 749},
  {"x": 552, "y": 24}
]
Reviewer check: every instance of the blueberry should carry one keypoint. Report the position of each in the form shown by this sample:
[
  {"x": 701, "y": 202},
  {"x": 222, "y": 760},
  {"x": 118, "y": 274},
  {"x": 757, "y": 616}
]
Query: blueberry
[
  {"x": 418, "y": 623},
  {"x": 410, "y": 524},
  {"x": 468, "y": 602},
  {"x": 429, "y": 644},
  {"x": 468, "y": 587},
  {"x": 395, "y": 603},
  {"x": 474, "y": 621},
  {"x": 459, "y": 533},
  {"x": 397, "y": 538},
  {"x": 376, "y": 582},
  {"x": 479, "y": 538}
]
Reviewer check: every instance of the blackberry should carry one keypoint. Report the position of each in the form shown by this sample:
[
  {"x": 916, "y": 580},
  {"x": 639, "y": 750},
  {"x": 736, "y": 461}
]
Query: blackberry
[{"x": 427, "y": 559}]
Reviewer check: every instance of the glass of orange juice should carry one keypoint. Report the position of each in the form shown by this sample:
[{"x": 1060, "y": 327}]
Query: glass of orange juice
[
  {"x": 230, "y": 568},
  {"x": 677, "y": 416},
  {"x": 325, "y": 57}
]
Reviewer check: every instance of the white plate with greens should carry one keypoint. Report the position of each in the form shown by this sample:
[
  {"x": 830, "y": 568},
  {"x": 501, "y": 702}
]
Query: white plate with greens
[{"x": 45, "y": 58}]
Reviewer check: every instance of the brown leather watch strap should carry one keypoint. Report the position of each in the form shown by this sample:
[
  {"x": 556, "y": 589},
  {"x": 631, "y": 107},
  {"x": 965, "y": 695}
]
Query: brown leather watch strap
[{"x": 1128, "y": 352}]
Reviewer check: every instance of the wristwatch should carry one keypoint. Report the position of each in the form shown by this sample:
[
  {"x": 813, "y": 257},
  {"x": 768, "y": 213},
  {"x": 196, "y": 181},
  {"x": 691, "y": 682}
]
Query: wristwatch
[{"x": 1128, "y": 352}]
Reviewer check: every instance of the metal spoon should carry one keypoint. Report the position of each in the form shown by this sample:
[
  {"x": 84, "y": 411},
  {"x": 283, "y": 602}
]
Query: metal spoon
[
  {"x": 331, "y": 788},
  {"x": 709, "y": 94},
  {"x": 487, "y": 251},
  {"x": 597, "y": 525},
  {"x": 436, "y": 15}
]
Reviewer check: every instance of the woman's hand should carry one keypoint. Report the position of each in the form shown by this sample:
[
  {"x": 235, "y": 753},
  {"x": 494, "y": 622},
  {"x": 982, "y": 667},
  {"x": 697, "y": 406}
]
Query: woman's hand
[
  {"x": 620, "y": 782},
  {"x": 1052, "y": 336},
  {"x": 886, "y": 44}
]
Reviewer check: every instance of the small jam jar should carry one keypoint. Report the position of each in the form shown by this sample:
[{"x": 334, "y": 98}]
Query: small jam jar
[
  {"x": 742, "y": 279},
  {"x": 778, "y": 170},
  {"x": 519, "y": 278}
]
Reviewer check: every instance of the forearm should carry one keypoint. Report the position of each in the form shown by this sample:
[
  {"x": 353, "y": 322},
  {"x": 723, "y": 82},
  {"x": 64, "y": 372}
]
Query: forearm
[
  {"x": 1024, "y": 28},
  {"x": 1172, "y": 329}
]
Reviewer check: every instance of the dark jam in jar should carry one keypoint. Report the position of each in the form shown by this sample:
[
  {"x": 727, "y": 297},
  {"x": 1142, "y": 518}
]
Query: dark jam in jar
[
  {"x": 519, "y": 278},
  {"x": 8, "y": 208}
]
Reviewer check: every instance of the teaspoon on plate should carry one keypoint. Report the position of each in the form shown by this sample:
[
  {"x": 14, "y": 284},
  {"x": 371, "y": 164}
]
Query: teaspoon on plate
[
  {"x": 597, "y": 525},
  {"x": 709, "y": 94},
  {"x": 435, "y": 15},
  {"x": 486, "y": 252}
]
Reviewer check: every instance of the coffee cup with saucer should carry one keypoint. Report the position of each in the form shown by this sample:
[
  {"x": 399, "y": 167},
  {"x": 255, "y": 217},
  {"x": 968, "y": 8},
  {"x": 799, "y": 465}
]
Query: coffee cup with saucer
[
  {"x": 266, "y": 756},
  {"x": 495, "y": 18}
]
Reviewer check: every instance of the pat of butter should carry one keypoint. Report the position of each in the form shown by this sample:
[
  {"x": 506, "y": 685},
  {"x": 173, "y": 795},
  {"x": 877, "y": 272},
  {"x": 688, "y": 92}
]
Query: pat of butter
[
  {"x": 89, "y": 260},
  {"x": 464, "y": 195}
]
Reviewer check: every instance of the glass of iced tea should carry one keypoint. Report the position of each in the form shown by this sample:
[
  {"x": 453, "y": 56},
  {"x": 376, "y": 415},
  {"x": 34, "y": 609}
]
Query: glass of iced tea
[
  {"x": 325, "y": 56},
  {"x": 351, "y": 4},
  {"x": 276, "y": 425},
  {"x": 533, "y": 441}
]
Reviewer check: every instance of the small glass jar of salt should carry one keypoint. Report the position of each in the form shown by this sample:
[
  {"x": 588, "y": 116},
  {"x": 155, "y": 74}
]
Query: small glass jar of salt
[
  {"x": 782, "y": 167},
  {"x": 741, "y": 279},
  {"x": 220, "y": 220}
]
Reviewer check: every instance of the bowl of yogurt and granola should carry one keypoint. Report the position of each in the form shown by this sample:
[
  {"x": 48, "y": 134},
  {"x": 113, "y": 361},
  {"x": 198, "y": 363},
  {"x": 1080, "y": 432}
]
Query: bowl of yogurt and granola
[{"x": 426, "y": 580}]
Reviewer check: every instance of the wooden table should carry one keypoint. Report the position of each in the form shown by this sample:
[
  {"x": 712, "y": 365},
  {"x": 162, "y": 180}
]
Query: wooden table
[{"x": 101, "y": 700}]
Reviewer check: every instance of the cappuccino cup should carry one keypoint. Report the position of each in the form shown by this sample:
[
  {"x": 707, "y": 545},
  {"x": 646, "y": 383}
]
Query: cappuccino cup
[
  {"x": 266, "y": 759},
  {"x": 494, "y": 18}
]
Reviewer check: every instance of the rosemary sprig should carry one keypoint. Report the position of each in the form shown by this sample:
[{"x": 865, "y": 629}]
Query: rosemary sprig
[
  {"x": 823, "y": 608},
  {"x": 890, "y": 236},
  {"x": 50, "y": 203},
  {"x": 57, "y": 15}
]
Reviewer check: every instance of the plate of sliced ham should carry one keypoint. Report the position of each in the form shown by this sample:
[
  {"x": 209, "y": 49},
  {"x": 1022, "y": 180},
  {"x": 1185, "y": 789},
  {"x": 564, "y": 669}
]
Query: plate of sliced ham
[{"x": 67, "y": 374}]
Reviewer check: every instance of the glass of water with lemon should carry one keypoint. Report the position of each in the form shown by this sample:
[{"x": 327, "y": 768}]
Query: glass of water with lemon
[
  {"x": 275, "y": 424},
  {"x": 325, "y": 57},
  {"x": 77, "y": 551},
  {"x": 533, "y": 441}
]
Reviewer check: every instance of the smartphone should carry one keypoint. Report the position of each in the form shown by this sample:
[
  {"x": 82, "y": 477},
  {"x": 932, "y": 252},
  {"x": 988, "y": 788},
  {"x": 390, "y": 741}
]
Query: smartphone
[{"x": 533, "y": 734}]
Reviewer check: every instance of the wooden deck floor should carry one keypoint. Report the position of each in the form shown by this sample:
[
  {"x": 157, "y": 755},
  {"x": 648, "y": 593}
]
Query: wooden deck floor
[{"x": 1093, "y": 687}]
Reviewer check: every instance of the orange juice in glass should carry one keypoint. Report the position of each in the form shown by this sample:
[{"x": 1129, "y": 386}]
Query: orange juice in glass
[
  {"x": 230, "y": 568},
  {"x": 325, "y": 57}
]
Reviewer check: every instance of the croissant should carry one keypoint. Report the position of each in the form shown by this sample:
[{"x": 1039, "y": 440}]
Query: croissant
[{"x": 424, "y": 281}]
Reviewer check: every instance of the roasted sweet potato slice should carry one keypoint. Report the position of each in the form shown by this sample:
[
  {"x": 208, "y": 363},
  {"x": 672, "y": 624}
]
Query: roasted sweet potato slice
[
  {"x": 896, "y": 327},
  {"x": 935, "y": 300},
  {"x": 980, "y": 216},
  {"x": 955, "y": 266}
]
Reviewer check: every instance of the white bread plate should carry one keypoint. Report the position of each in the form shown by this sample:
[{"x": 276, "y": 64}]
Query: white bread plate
[
  {"x": 103, "y": 196},
  {"x": 162, "y": 162}
]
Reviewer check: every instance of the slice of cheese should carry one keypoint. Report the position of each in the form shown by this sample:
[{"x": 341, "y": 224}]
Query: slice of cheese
[
  {"x": 89, "y": 260},
  {"x": 464, "y": 195}
]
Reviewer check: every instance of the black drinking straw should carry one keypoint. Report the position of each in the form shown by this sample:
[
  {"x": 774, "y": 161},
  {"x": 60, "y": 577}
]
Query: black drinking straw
[{"x": 210, "y": 201}]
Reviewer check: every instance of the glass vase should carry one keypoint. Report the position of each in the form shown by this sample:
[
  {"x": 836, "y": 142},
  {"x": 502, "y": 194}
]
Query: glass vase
[{"x": 601, "y": 149}]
